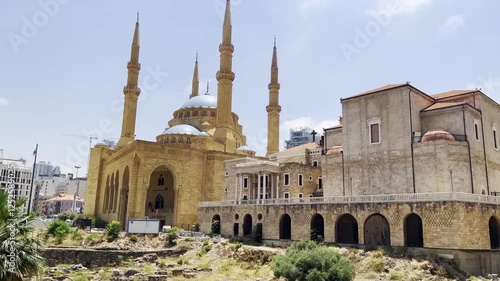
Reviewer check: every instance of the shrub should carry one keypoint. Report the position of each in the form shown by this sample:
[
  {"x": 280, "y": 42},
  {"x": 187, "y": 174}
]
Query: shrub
[
  {"x": 257, "y": 233},
  {"x": 172, "y": 235},
  {"x": 196, "y": 227},
  {"x": 215, "y": 228},
  {"x": 112, "y": 230},
  {"x": 59, "y": 229},
  {"x": 98, "y": 223},
  {"x": 66, "y": 216},
  {"x": 239, "y": 245},
  {"x": 306, "y": 260},
  {"x": 133, "y": 238}
]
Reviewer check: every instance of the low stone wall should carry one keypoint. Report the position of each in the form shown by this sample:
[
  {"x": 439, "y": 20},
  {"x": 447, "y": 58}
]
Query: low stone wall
[{"x": 96, "y": 257}]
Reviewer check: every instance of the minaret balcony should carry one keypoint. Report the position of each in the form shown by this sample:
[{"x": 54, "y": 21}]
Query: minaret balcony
[
  {"x": 225, "y": 76},
  {"x": 226, "y": 48}
]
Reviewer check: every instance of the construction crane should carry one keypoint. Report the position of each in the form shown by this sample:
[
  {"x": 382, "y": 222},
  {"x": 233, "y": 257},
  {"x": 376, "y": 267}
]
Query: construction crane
[{"x": 90, "y": 138}]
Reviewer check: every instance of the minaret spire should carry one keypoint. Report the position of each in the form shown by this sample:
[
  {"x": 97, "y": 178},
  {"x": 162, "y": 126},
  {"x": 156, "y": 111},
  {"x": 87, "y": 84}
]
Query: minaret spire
[
  {"x": 225, "y": 77},
  {"x": 196, "y": 82},
  {"x": 273, "y": 109},
  {"x": 131, "y": 92}
]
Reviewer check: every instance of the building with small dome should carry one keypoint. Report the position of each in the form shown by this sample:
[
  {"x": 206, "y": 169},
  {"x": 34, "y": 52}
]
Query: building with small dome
[{"x": 165, "y": 179}]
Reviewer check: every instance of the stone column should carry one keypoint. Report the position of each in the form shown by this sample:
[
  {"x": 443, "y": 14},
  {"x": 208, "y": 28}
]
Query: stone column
[
  {"x": 236, "y": 187},
  {"x": 272, "y": 185},
  {"x": 258, "y": 188},
  {"x": 241, "y": 188},
  {"x": 278, "y": 186}
]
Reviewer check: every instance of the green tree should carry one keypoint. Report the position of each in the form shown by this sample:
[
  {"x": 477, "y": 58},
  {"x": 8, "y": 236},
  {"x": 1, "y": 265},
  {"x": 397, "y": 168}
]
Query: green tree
[
  {"x": 113, "y": 230},
  {"x": 19, "y": 254},
  {"x": 308, "y": 261}
]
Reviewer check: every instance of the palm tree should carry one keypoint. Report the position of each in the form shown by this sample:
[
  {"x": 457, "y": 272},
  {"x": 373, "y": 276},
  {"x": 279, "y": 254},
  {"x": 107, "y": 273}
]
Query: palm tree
[{"x": 19, "y": 255}]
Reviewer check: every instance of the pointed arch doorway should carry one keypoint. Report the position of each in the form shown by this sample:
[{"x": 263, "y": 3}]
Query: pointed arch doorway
[{"x": 160, "y": 198}]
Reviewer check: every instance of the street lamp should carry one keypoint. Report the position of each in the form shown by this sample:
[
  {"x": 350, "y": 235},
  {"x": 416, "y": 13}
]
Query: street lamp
[{"x": 77, "y": 189}]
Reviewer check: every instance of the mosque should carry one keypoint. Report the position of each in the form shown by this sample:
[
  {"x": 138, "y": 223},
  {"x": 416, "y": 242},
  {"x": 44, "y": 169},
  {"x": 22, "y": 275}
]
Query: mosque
[{"x": 167, "y": 178}]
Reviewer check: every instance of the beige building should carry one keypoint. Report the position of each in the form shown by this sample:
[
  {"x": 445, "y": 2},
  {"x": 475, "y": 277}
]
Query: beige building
[
  {"x": 165, "y": 179},
  {"x": 402, "y": 168}
]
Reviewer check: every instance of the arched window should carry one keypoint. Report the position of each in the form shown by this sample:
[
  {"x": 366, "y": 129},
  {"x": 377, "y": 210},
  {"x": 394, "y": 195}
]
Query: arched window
[
  {"x": 181, "y": 140},
  {"x": 203, "y": 113},
  {"x": 212, "y": 113},
  {"x": 181, "y": 115},
  {"x": 167, "y": 140},
  {"x": 195, "y": 113},
  {"x": 188, "y": 140},
  {"x": 174, "y": 140},
  {"x": 188, "y": 114},
  {"x": 159, "y": 202},
  {"x": 161, "y": 180}
]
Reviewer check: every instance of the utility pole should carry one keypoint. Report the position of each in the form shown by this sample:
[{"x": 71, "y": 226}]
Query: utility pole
[
  {"x": 77, "y": 189},
  {"x": 35, "y": 153}
]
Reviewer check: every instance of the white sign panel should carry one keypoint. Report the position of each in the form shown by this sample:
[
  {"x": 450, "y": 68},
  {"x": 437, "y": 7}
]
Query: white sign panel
[{"x": 143, "y": 226}]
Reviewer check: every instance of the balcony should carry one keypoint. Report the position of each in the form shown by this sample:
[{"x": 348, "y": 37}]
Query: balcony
[
  {"x": 439, "y": 136},
  {"x": 360, "y": 199}
]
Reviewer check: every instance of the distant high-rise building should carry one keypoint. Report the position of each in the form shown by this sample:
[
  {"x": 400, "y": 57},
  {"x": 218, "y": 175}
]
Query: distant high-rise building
[
  {"x": 300, "y": 136},
  {"x": 15, "y": 179},
  {"x": 46, "y": 169}
]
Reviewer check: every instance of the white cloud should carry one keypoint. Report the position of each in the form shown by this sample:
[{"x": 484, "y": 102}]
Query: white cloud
[
  {"x": 489, "y": 86},
  {"x": 452, "y": 24},
  {"x": 397, "y": 7},
  {"x": 307, "y": 4},
  {"x": 4, "y": 102}
]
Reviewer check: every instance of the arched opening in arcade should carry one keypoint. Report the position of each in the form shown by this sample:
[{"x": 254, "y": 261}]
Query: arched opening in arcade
[
  {"x": 413, "y": 230},
  {"x": 285, "y": 227},
  {"x": 124, "y": 197},
  {"x": 216, "y": 223},
  {"x": 317, "y": 228},
  {"x": 347, "y": 230},
  {"x": 377, "y": 231},
  {"x": 160, "y": 198},
  {"x": 247, "y": 225},
  {"x": 494, "y": 233}
]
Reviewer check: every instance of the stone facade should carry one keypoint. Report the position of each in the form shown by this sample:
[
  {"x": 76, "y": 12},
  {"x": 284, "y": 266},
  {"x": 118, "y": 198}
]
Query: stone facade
[
  {"x": 402, "y": 168},
  {"x": 444, "y": 224}
]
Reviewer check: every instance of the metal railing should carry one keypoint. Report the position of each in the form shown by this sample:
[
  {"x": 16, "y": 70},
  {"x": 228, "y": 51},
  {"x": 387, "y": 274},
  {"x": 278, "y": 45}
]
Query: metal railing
[{"x": 390, "y": 198}]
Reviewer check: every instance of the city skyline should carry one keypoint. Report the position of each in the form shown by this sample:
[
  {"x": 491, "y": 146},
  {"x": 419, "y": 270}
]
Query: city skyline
[{"x": 67, "y": 75}]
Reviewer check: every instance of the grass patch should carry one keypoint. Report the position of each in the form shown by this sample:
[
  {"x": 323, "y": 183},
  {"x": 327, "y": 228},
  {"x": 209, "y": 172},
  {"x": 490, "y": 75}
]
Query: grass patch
[
  {"x": 148, "y": 269},
  {"x": 396, "y": 275}
]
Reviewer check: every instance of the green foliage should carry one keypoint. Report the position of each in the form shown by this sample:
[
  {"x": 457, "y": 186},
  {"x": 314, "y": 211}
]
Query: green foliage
[
  {"x": 196, "y": 227},
  {"x": 205, "y": 248},
  {"x": 98, "y": 223},
  {"x": 239, "y": 245},
  {"x": 113, "y": 230},
  {"x": 257, "y": 233},
  {"x": 308, "y": 261},
  {"x": 67, "y": 216},
  {"x": 59, "y": 229},
  {"x": 19, "y": 254},
  {"x": 396, "y": 275},
  {"x": 215, "y": 228},
  {"x": 133, "y": 238},
  {"x": 172, "y": 235}
]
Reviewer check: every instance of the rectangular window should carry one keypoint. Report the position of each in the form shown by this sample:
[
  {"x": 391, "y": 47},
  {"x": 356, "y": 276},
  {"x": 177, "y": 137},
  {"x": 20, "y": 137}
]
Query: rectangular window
[
  {"x": 374, "y": 133},
  {"x": 287, "y": 179},
  {"x": 476, "y": 131},
  {"x": 315, "y": 163},
  {"x": 301, "y": 195},
  {"x": 495, "y": 139},
  {"x": 301, "y": 180},
  {"x": 245, "y": 182},
  {"x": 261, "y": 181},
  {"x": 287, "y": 195}
]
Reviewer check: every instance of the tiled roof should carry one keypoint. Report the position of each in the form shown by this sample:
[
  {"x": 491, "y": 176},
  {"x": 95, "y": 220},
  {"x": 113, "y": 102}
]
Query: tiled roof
[
  {"x": 386, "y": 87},
  {"x": 440, "y": 105},
  {"x": 452, "y": 94},
  {"x": 65, "y": 197},
  {"x": 297, "y": 150}
]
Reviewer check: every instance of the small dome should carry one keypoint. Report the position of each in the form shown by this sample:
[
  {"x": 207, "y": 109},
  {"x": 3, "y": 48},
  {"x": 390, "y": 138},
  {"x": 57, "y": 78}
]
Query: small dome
[
  {"x": 182, "y": 129},
  {"x": 205, "y": 101},
  {"x": 100, "y": 144},
  {"x": 204, "y": 134},
  {"x": 437, "y": 135},
  {"x": 245, "y": 148}
]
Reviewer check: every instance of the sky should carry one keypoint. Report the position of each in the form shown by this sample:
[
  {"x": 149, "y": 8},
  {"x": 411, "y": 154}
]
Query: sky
[{"x": 64, "y": 62}]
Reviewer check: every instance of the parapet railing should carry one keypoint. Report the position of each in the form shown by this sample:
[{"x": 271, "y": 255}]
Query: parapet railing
[{"x": 390, "y": 198}]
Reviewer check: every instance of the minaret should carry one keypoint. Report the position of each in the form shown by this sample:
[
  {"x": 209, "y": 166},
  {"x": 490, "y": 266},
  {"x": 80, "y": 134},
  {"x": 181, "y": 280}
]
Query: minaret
[
  {"x": 196, "y": 82},
  {"x": 131, "y": 92},
  {"x": 274, "y": 108},
  {"x": 225, "y": 77}
]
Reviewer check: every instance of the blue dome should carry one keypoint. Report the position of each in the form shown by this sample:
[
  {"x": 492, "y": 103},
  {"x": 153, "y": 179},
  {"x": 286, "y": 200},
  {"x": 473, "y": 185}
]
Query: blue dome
[
  {"x": 206, "y": 101},
  {"x": 245, "y": 148},
  {"x": 182, "y": 129}
]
